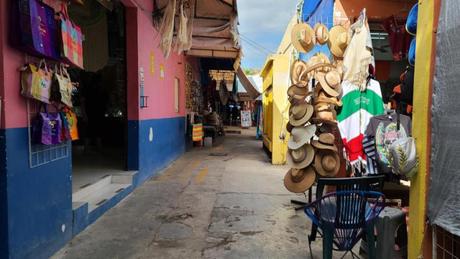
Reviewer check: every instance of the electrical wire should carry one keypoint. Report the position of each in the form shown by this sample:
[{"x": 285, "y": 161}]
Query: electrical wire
[
  {"x": 260, "y": 51},
  {"x": 256, "y": 43}
]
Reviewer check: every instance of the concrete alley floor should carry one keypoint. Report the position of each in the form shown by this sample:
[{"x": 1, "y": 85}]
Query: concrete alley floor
[{"x": 224, "y": 202}]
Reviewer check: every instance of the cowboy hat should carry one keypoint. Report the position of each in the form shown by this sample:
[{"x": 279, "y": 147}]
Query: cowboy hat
[
  {"x": 299, "y": 180},
  {"x": 330, "y": 82},
  {"x": 302, "y": 37},
  {"x": 300, "y": 113},
  {"x": 322, "y": 97},
  {"x": 317, "y": 63},
  {"x": 301, "y": 136},
  {"x": 301, "y": 157},
  {"x": 324, "y": 111},
  {"x": 322, "y": 33},
  {"x": 289, "y": 127},
  {"x": 298, "y": 92},
  {"x": 325, "y": 141},
  {"x": 327, "y": 163},
  {"x": 297, "y": 69},
  {"x": 338, "y": 40}
]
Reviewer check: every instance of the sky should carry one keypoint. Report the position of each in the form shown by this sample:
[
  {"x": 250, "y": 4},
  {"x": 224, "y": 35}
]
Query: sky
[{"x": 262, "y": 25}]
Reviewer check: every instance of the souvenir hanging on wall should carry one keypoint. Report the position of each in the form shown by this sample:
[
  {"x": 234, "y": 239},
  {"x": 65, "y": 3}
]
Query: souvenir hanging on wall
[{"x": 34, "y": 29}]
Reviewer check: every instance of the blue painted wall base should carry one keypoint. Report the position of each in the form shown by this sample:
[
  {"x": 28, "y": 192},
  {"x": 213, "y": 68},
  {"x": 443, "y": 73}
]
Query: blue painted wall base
[{"x": 36, "y": 216}]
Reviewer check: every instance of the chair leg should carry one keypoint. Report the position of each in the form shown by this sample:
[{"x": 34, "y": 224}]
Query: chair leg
[
  {"x": 309, "y": 246},
  {"x": 370, "y": 240},
  {"x": 327, "y": 243}
]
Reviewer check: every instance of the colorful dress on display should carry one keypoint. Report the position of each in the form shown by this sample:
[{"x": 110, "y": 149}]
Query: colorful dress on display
[{"x": 357, "y": 110}]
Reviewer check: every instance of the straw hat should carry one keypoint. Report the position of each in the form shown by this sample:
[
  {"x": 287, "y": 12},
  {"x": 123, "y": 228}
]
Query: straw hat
[
  {"x": 298, "y": 92},
  {"x": 325, "y": 141},
  {"x": 289, "y": 127},
  {"x": 297, "y": 69},
  {"x": 330, "y": 82},
  {"x": 338, "y": 40},
  {"x": 301, "y": 157},
  {"x": 322, "y": 97},
  {"x": 322, "y": 33},
  {"x": 302, "y": 37},
  {"x": 301, "y": 136},
  {"x": 299, "y": 180},
  {"x": 327, "y": 163},
  {"x": 325, "y": 111},
  {"x": 299, "y": 114},
  {"x": 317, "y": 63}
]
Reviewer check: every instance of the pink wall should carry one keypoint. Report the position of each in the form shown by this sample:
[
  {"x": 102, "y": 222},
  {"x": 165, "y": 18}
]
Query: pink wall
[
  {"x": 160, "y": 91},
  {"x": 142, "y": 44},
  {"x": 14, "y": 113}
]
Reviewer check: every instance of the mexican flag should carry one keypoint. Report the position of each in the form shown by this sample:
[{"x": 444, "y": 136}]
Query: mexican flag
[{"x": 358, "y": 108}]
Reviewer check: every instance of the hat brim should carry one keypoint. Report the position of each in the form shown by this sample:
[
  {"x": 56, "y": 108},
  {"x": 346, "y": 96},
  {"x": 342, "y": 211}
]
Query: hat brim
[
  {"x": 334, "y": 47},
  {"x": 294, "y": 122},
  {"x": 323, "y": 40},
  {"x": 292, "y": 94},
  {"x": 325, "y": 86},
  {"x": 319, "y": 145},
  {"x": 310, "y": 132},
  {"x": 296, "y": 43},
  {"x": 304, "y": 163},
  {"x": 320, "y": 169},
  {"x": 302, "y": 186},
  {"x": 295, "y": 77}
]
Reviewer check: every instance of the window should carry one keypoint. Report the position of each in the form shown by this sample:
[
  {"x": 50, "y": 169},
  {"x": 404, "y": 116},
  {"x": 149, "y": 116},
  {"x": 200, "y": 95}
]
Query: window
[{"x": 176, "y": 94}]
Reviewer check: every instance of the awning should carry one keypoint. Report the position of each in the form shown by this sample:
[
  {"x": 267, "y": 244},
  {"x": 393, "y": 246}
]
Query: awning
[
  {"x": 214, "y": 29},
  {"x": 250, "y": 88}
]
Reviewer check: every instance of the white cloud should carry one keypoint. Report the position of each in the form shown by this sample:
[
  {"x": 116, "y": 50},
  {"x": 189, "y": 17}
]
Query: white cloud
[{"x": 264, "y": 22}]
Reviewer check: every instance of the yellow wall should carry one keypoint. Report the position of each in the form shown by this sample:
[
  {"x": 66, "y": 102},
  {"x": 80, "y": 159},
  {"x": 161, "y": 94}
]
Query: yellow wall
[
  {"x": 421, "y": 124},
  {"x": 275, "y": 76}
]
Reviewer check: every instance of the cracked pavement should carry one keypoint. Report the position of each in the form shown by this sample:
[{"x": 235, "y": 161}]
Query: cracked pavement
[{"x": 222, "y": 202}]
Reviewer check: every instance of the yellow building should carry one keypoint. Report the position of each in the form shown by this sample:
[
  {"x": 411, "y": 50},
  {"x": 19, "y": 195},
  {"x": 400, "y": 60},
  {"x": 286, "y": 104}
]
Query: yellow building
[{"x": 275, "y": 75}]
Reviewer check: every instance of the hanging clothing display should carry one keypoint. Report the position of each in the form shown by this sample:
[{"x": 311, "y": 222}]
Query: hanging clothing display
[
  {"x": 398, "y": 38},
  {"x": 358, "y": 55},
  {"x": 384, "y": 130},
  {"x": 358, "y": 108}
]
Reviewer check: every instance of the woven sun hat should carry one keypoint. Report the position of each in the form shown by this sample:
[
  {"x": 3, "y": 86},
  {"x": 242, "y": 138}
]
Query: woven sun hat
[
  {"x": 330, "y": 82},
  {"x": 324, "y": 111},
  {"x": 297, "y": 69},
  {"x": 301, "y": 157},
  {"x": 338, "y": 40},
  {"x": 411, "y": 21},
  {"x": 302, "y": 37},
  {"x": 301, "y": 135},
  {"x": 317, "y": 63},
  {"x": 299, "y": 114},
  {"x": 325, "y": 141},
  {"x": 322, "y": 97},
  {"x": 289, "y": 127},
  {"x": 327, "y": 162},
  {"x": 298, "y": 92},
  {"x": 299, "y": 180},
  {"x": 321, "y": 33}
]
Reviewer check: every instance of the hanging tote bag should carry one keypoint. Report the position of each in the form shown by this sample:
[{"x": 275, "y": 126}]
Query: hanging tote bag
[
  {"x": 46, "y": 128},
  {"x": 34, "y": 28},
  {"x": 62, "y": 87},
  {"x": 71, "y": 40},
  {"x": 72, "y": 123},
  {"x": 65, "y": 132},
  {"x": 36, "y": 82}
]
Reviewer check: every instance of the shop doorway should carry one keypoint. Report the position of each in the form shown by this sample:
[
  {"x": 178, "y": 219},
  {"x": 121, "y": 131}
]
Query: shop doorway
[{"x": 101, "y": 101}]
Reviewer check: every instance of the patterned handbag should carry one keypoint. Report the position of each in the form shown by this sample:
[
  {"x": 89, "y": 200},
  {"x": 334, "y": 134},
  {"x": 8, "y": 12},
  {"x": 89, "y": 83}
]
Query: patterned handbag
[
  {"x": 72, "y": 40},
  {"x": 36, "y": 82},
  {"x": 72, "y": 123},
  {"x": 62, "y": 87},
  {"x": 34, "y": 29},
  {"x": 46, "y": 128}
]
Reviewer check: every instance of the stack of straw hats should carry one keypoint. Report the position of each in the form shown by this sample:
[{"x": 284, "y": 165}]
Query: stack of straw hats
[{"x": 314, "y": 96}]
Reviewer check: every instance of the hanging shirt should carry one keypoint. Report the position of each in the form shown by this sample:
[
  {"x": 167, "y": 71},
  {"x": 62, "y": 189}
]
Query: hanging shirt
[
  {"x": 358, "y": 108},
  {"x": 383, "y": 129}
]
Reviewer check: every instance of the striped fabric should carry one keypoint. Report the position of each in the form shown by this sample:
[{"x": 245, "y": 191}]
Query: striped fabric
[
  {"x": 357, "y": 110},
  {"x": 197, "y": 132},
  {"x": 370, "y": 152}
]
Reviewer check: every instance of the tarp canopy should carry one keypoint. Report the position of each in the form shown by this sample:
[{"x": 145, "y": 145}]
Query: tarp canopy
[
  {"x": 247, "y": 84},
  {"x": 214, "y": 29}
]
